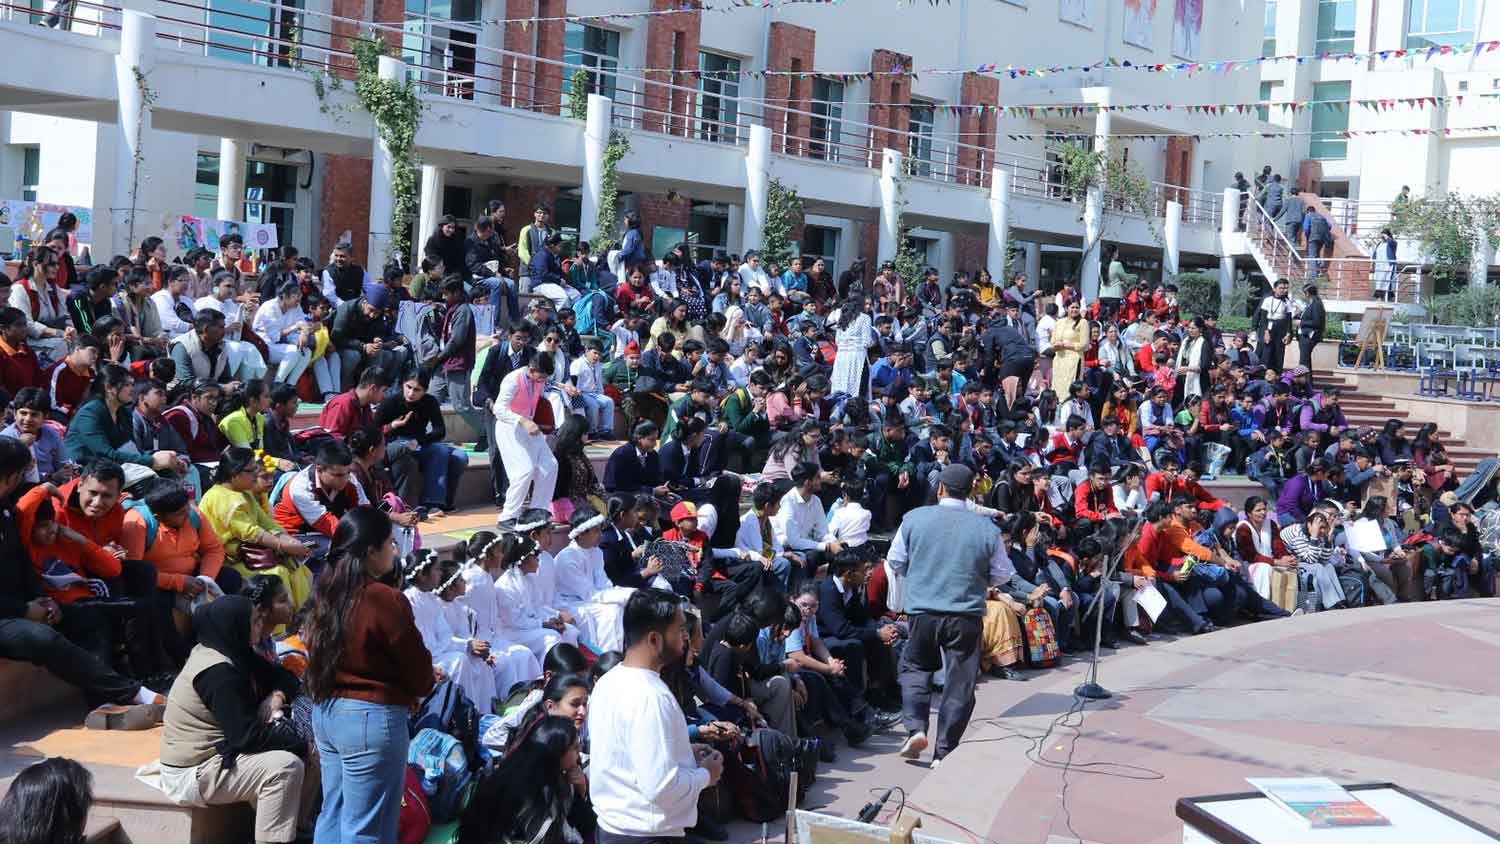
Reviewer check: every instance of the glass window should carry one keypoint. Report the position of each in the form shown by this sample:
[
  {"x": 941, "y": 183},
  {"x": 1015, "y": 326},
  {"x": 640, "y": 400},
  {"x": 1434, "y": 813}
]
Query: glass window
[
  {"x": 821, "y": 242},
  {"x": 31, "y": 173},
  {"x": 206, "y": 186},
  {"x": 253, "y": 32},
  {"x": 1268, "y": 92},
  {"x": 920, "y": 126},
  {"x": 1328, "y": 121},
  {"x": 438, "y": 43},
  {"x": 1436, "y": 23},
  {"x": 708, "y": 227},
  {"x": 1268, "y": 38},
  {"x": 597, "y": 51},
  {"x": 718, "y": 100},
  {"x": 1335, "y": 26},
  {"x": 826, "y": 129}
]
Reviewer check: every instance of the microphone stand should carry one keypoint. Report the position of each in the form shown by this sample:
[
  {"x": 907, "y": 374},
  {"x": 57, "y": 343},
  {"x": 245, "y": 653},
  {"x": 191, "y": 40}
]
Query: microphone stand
[{"x": 1090, "y": 688}]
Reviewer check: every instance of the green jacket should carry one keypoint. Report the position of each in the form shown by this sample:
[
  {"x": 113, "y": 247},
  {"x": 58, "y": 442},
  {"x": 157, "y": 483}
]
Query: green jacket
[
  {"x": 886, "y": 456},
  {"x": 621, "y": 377},
  {"x": 92, "y": 433},
  {"x": 739, "y": 413}
]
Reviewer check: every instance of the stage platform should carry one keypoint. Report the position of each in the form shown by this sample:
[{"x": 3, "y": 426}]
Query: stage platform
[{"x": 1402, "y": 694}]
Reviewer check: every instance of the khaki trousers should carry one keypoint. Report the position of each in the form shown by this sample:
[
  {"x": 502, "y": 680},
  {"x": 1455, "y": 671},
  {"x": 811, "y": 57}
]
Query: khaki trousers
[{"x": 271, "y": 782}]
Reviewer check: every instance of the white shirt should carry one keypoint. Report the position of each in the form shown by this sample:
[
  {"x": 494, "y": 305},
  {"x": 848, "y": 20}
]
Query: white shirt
[
  {"x": 233, "y": 312},
  {"x": 481, "y": 597},
  {"x": 588, "y": 377},
  {"x": 800, "y": 524},
  {"x": 623, "y": 337},
  {"x": 272, "y": 323},
  {"x": 1130, "y": 500},
  {"x": 166, "y": 309},
  {"x": 747, "y": 538},
  {"x": 849, "y": 523},
  {"x": 643, "y": 778},
  {"x": 514, "y": 611},
  {"x": 439, "y": 637},
  {"x": 758, "y": 279},
  {"x": 509, "y": 386},
  {"x": 580, "y": 575},
  {"x": 740, "y": 371},
  {"x": 664, "y": 284},
  {"x": 1044, "y": 328}
]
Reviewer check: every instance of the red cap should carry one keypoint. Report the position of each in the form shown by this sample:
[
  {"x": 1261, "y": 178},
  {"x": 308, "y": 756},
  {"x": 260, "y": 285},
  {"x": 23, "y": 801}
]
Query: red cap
[
  {"x": 684, "y": 510},
  {"x": 632, "y": 348}
]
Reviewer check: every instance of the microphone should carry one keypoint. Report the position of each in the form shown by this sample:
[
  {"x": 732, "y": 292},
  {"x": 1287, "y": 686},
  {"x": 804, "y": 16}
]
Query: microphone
[{"x": 872, "y": 808}]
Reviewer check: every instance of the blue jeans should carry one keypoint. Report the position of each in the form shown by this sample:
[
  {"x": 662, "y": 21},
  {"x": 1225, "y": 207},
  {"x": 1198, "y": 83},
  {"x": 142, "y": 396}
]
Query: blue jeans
[
  {"x": 362, "y": 750},
  {"x": 501, "y": 288},
  {"x": 442, "y": 467}
]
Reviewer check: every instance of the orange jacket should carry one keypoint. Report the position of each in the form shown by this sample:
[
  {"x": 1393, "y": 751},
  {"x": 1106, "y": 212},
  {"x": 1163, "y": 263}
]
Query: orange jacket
[
  {"x": 177, "y": 553},
  {"x": 86, "y": 559}
]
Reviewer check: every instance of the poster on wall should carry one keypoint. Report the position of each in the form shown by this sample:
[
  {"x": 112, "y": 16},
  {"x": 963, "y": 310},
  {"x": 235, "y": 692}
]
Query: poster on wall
[
  {"x": 1140, "y": 17},
  {"x": 1080, "y": 12},
  {"x": 193, "y": 232},
  {"x": 32, "y": 220},
  {"x": 1187, "y": 29}
]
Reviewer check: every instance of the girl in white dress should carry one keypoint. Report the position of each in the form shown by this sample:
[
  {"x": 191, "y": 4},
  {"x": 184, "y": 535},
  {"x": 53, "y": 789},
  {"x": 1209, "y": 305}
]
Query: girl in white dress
[
  {"x": 519, "y": 619},
  {"x": 460, "y": 657},
  {"x": 514, "y": 662},
  {"x": 585, "y": 590},
  {"x": 854, "y": 338}
]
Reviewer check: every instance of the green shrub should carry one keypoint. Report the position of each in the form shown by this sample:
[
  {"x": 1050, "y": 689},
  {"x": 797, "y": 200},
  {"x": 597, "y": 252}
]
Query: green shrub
[
  {"x": 1477, "y": 306},
  {"x": 1197, "y": 293}
]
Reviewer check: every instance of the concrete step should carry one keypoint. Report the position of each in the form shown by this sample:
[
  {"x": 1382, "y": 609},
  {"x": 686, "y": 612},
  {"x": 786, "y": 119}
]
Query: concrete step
[
  {"x": 30, "y": 690},
  {"x": 100, "y": 830}
]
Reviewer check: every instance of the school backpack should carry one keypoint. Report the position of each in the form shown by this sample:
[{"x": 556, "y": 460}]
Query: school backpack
[
  {"x": 416, "y": 817},
  {"x": 448, "y": 710},
  {"x": 1042, "y": 650},
  {"x": 139, "y": 506},
  {"x": 445, "y": 774},
  {"x": 761, "y": 776},
  {"x": 594, "y": 313}
]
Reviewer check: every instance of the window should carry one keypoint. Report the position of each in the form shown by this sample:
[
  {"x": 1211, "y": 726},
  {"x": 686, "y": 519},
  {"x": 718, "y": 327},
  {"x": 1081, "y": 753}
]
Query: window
[
  {"x": 718, "y": 97},
  {"x": 920, "y": 126},
  {"x": 1268, "y": 38},
  {"x": 708, "y": 227},
  {"x": 270, "y": 193},
  {"x": 826, "y": 129},
  {"x": 597, "y": 51},
  {"x": 458, "y": 201},
  {"x": 206, "y": 186},
  {"x": 1435, "y": 23},
  {"x": 820, "y": 242},
  {"x": 1268, "y": 94},
  {"x": 438, "y": 42},
  {"x": 31, "y": 173},
  {"x": 253, "y": 32},
  {"x": 1328, "y": 120},
  {"x": 1335, "y": 26}
]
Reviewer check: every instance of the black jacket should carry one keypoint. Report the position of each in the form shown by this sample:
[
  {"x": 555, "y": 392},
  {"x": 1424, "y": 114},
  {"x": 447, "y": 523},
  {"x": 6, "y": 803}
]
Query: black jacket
[
  {"x": 427, "y": 418},
  {"x": 477, "y": 253},
  {"x": 626, "y": 472},
  {"x": 840, "y": 620},
  {"x": 450, "y": 250}
]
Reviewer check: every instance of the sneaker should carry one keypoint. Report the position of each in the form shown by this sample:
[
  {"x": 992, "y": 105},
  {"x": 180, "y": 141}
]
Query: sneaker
[
  {"x": 1298, "y": 611},
  {"x": 882, "y": 719},
  {"x": 139, "y": 716},
  {"x": 914, "y": 745}
]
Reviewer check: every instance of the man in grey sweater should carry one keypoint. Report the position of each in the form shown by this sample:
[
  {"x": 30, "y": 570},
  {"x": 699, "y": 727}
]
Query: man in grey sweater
[{"x": 949, "y": 557}]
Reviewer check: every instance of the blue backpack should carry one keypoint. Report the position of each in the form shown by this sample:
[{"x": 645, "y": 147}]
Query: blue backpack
[
  {"x": 444, "y": 767},
  {"x": 593, "y": 313},
  {"x": 139, "y": 506}
]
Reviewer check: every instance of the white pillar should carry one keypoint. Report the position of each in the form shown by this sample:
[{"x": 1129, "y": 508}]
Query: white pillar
[
  {"x": 890, "y": 204},
  {"x": 381, "y": 175},
  {"x": 231, "y": 179},
  {"x": 734, "y": 237},
  {"x": 595, "y": 139},
  {"x": 491, "y": 39},
  {"x": 1226, "y": 281},
  {"x": 999, "y": 224},
  {"x": 1172, "y": 236},
  {"x": 1093, "y": 212},
  {"x": 757, "y": 185},
  {"x": 1229, "y": 216},
  {"x": 133, "y": 66},
  {"x": 1479, "y": 262},
  {"x": 430, "y": 209},
  {"x": 1229, "y": 224},
  {"x": 1033, "y": 265}
]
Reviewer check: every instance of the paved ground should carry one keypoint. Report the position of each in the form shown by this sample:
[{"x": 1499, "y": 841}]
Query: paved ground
[{"x": 1400, "y": 694}]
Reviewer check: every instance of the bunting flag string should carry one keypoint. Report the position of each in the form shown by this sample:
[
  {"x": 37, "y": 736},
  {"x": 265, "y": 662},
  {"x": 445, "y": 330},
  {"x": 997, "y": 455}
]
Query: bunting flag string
[
  {"x": 682, "y": 9},
  {"x": 1190, "y": 68},
  {"x": 1332, "y": 133},
  {"x": 1377, "y": 104}
]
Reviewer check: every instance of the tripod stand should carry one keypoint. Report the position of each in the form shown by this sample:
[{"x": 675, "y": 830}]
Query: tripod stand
[{"x": 1090, "y": 688}]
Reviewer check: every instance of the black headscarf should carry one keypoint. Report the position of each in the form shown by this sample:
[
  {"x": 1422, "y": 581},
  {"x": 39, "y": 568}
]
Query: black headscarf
[{"x": 223, "y": 625}]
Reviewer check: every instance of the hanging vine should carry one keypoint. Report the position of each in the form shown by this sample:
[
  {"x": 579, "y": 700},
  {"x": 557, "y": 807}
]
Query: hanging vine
[
  {"x": 783, "y": 212},
  {"x": 393, "y": 105},
  {"x": 607, "y": 221},
  {"x": 578, "y": 94},
  {"x": 148, "y": 99},
  {"x": 1125, "y": 189},
  {"x": 907, "y": 262}
]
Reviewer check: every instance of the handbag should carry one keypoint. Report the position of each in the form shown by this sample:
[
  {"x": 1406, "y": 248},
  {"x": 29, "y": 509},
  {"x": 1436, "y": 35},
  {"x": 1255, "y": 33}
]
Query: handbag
[
  {"x": 1284, "y": 588},
  {"x": 1042, "y": 650},
  {"x": 257, "y": 557}
]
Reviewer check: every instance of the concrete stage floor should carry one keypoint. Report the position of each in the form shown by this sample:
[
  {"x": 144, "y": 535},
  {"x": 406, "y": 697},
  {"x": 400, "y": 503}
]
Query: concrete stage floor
[{"x": 1403, "y": 694}]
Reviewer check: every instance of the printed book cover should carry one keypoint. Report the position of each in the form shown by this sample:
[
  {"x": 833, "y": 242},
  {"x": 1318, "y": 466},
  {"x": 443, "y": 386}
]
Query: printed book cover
[{"x": 1319, "y": 802}]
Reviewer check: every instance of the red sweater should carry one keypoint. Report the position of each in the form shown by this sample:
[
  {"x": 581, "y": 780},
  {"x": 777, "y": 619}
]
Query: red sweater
[
  {"x": 1086, "y": 503},
  {"x": 66, "y": 388},
  {"x": 344, "y": 414},
  {"x": 19, "y": 368}
]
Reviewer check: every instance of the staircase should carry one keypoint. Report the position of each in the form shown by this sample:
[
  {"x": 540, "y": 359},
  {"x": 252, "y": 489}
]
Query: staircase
[
  {"x": 1347, "y": 275},
  {"x": 1372, "y": 410}
]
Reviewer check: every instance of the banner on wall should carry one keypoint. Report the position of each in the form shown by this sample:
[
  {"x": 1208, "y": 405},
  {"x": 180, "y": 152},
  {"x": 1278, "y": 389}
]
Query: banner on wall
[
  {"x": 193, "y": 232},
  {"x": 32, "y": 221},
  {"x": 1187, "y": 29},
  {"x": 1140, "y": 15},
  {"x": 1079, "y": 12}
]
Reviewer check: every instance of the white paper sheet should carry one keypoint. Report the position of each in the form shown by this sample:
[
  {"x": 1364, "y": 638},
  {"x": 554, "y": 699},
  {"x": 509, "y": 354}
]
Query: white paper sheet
[{"x": 1150, "y": 600}]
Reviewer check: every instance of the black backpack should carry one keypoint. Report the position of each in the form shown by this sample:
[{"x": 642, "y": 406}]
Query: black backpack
[
  {"x": 450, "y": 711},
  {"x": 760, "y": 776}
]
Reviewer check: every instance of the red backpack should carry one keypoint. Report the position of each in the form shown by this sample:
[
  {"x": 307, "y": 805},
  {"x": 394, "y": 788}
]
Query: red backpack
[{"x": 416, "y": 819}]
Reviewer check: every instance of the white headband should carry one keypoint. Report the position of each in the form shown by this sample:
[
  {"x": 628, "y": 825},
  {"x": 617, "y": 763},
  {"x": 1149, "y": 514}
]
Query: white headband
[
  {"x": 484, "y": 553},
  {"x": 424, "y": 559},
  {"x": 449, "y": 582},
  {"x": 528, "y": 527},
  {"x": 587, "y": 526}
]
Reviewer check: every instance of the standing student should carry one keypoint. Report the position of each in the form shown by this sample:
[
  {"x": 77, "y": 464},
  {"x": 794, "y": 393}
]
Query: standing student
[
  {"x": 949, "y": 556},
  {"x": 1311, "y": 324},
  {"x": 644, "y": 776},
  {"x": 1274, "y": 318},
  {"x": 521, "y": 443},
  {"x": 366, "y": 668}
]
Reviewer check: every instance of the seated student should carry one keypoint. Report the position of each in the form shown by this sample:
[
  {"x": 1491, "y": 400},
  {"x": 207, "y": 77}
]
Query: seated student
[
  {"x": 193, "y": 420},
  {"x": 170, "y": 533},
  {"x": 690, "y": 474},
  {"x": 757, "y": 533},
  {"x": 248, "y": 533},
  {"x": 635, "y": 467},
  {"x": 848, "y": 520},
  {"x": 71, "y": 379},
  {"x": 1094, "y": 499},
  {"x": 1447, "y": 572},
  {"x": 353, "y": 410},
  {"x": 173, "y": 305},
  {"x": 625, "y": 559},
  {"x": 481, "y": 564},
  {"x": 867, "y": 644},
  {"x": 102, "y": 427},
  {"x": 1259, "y": 546},
  {"x": 800, "y": 523},
  {"x": 202, "y": 353},
  {"x": 149, "y": 429},
  {"x": 30, "y": 427},
  {"x": 1389, "y": 571},
  {"x": 312, "y": 500},
  {"x": 826, "y": 676},
  {"x": 1311, "y": 542},
  {"x": 19, "y": 367},
  {"x": 735, "y": 664},
  {"x": 245, "y": 360},
  {"x": 456, "y": 656},
  {"x": 1065, "y": 449},
  {"x": 1031, "y": 551},
  {"x": 521, "y": 618},
  {"x": 413, "y": 422},
  {"x": 278, "y": 439},
  {"x": 245, "y": 426},
  {"x": 587, "y": 372},
  {"x": 228, "y": 735},
  {"x": 536, "y": 792},
  {"x": 365, "y": 338},
  {"x": 90, "y": 302},
  {"x": 584, "y": 590}
]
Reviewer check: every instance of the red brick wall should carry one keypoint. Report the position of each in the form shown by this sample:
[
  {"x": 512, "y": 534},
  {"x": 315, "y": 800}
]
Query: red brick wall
[
  {"x": 345, "y": 204},
  {"x": 794, "y": 48},
  {"x": 518, "y": 75},
  {"x": 1179, "y": 166},
  {"x": 672, "y": 41},
  {"x": 977, "y": 130},
  {"x": 549, "y": 45},
  {"x": 969, "y": 253},
  {"x": 657, "y": 210},
  {"x": 869, "y": 247},
  {"x": 894, "y": 93},
  {"x": 519, "y": 201}
]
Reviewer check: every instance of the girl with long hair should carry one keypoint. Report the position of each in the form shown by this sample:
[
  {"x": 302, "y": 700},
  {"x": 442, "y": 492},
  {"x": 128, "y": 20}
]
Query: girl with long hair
[
  {"x": 367, "y": 667},
  {"x": 796, "y": 445},
  {"x": 1429, "y": 456},
  {"x": 47, "y": 803},
  {"x": 577, "y": 482},
  {"x": 854, "y": 337},
  {"x": 536, "y": 795}
]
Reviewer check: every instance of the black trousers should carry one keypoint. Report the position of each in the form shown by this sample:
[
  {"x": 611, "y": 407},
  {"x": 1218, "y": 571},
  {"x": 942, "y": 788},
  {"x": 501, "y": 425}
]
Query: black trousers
[
  {"x": 937, "y": 638},
  {"x": 1306, "y": 342},
  {"x": 38, "y": 644},
  {"x": 1273, "y": 354}
]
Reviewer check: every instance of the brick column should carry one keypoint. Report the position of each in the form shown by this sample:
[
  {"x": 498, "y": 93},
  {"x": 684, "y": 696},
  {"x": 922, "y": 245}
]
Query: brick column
[
  {"x": 893, "y": 92},
  {"x": 517, "y": 74},
  {"x": 549, "y": 45},
  {"x": 790, "y": 48},
  {"x": 672, "y": 42},
  {"x": 977, "y": 130},
  {"x": 1179, "y": 168}
]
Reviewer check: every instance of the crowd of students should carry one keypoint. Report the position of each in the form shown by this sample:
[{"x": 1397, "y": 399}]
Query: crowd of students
[{"x": 175, "y": 545}]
